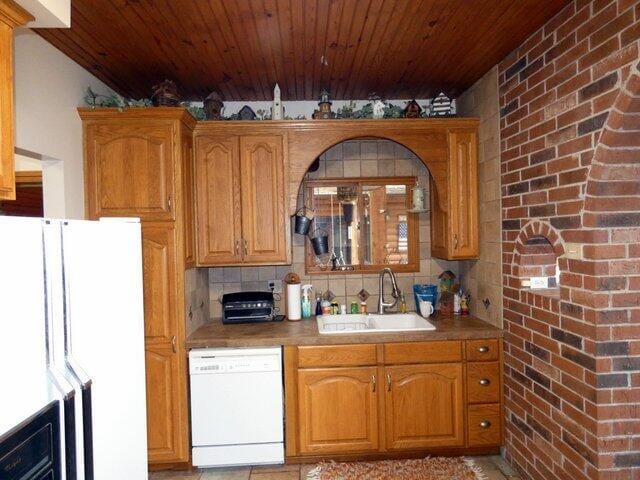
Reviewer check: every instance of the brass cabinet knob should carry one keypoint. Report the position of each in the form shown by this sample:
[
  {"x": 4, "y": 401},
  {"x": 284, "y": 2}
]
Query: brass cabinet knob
[
  {"x": 485, "y": 424},
  {"x": 483, "y": 349},
  {"x": 484, "y": 382}
]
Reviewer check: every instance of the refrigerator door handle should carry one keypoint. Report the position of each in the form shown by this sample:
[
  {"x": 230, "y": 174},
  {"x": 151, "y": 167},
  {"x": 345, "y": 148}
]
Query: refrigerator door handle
[{"x": 76, "y": 371}]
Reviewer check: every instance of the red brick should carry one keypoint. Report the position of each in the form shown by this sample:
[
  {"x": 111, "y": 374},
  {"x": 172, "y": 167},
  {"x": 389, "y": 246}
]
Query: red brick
[
  {"x": 574, "y": 84},
  {"x": 572, "y": 116},
  {"x": 599, "y": 53},
  {"x": 615, "y": 26}
]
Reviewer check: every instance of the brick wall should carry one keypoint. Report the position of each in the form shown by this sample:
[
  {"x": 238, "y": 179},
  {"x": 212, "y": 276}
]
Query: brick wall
[{"x": 570, "y": 164}]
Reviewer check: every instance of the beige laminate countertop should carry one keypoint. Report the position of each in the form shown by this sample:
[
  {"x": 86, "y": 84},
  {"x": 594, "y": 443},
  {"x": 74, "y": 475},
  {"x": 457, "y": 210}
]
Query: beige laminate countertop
[{"x": 305, "y": 332}]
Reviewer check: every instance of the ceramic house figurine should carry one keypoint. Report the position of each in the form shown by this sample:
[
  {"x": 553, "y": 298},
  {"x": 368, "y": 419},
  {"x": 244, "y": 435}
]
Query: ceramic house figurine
[
  {"x": 213, "y": 106},
  {"x": 165, "y": 94},
  {"x": 277, "y": 111},
  {"x": 440, "y": 106},
  {"x": 412, "y": 110},
  {"x": 324, "y": 112}
]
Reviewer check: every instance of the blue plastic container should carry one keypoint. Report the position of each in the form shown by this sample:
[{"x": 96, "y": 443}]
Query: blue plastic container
[{"x": 425, "y": 292}]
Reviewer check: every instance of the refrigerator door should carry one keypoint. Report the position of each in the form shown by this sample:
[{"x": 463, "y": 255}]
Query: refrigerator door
[{"x": 105, "y": 324}]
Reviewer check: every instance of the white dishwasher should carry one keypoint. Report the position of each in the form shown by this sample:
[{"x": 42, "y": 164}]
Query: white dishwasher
[{"x": 236, "y": 406}]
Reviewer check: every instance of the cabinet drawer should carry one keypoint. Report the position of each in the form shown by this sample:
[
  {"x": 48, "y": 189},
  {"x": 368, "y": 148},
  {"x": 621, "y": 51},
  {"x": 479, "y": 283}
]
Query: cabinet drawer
[
  {"x": 422, "y": 352},
  {"x": 484, "y": 425},
  {"x": 483, "y": 382},
  {"x": 336, "y": 355},
  {"x": 482, "y": 350}
]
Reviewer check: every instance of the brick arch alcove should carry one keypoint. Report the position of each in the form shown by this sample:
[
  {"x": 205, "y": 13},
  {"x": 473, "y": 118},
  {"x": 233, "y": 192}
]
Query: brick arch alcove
[
  {"x": 537, "y": 248},
  {"x": 611, "y": 215}
]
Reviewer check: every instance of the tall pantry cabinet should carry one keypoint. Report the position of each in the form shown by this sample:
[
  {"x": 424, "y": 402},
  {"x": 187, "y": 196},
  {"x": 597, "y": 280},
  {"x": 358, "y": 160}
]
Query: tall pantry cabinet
[{"x": 139, "y": 163}]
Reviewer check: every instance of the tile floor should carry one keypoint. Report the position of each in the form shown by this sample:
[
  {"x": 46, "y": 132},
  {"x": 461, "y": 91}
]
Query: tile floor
[{"x": 494, "y": 467}]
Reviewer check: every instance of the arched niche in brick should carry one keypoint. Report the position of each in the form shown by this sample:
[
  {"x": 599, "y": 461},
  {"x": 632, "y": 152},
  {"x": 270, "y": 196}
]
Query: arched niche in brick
[{"x": 536, "y": 252}]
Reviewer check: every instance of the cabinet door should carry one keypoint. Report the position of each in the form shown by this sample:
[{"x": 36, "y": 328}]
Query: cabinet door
[
  {"x": 129, "y": 170},
  {"x": 424, "y": 406},
  {"x": 263, "y": 199},
  {"x": 338, "y": 410},
  {"x": 167, "y": 420},
  {"x": 218, "y": 200},
  {"x": 159, "y": 280},
  {"x": 439, "y": 225},
  {"x": 463, "y": 203},
  {"x": 188, "y": 195}
]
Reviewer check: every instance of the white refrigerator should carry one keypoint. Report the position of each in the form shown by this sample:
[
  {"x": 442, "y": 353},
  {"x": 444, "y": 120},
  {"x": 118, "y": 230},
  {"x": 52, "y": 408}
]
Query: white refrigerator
[{"x": 72, "y": 331}]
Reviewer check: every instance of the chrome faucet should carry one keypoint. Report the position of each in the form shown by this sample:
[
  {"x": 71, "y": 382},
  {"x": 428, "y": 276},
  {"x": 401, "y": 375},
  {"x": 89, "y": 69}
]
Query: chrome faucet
[{"x": 395, "y": 293}]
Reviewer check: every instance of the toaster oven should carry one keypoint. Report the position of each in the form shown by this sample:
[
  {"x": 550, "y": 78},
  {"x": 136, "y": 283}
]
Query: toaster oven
[{"x": 248, "y": 307}]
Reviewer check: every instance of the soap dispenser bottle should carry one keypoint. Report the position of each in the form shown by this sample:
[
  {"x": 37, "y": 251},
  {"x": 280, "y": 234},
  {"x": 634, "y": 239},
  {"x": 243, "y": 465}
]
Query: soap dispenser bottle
[{"x": 306, "y": 301}]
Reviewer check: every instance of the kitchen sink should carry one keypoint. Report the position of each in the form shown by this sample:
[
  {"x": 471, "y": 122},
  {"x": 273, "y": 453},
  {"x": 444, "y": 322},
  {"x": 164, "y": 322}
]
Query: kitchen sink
[{"x": 372, "y": 323}]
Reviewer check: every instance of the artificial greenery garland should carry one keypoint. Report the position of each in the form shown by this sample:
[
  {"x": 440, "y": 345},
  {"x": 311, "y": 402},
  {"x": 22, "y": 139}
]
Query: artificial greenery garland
[{"x": 96, "y": 100}]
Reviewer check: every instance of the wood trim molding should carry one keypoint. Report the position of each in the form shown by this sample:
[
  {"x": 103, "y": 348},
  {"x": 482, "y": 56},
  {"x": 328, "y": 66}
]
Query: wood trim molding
[
  {"x": 13, "y": 14},
  {"x": 152, "y": 113},
  {"x": 28, "y": 176}
]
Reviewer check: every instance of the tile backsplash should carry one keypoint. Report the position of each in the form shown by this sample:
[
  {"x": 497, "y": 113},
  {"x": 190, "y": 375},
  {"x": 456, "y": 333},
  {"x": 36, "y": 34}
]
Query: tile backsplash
[{"x": 354, "y": 158}]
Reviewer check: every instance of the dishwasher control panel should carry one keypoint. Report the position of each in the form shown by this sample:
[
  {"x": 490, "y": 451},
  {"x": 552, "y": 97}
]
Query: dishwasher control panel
[{"x": 212, "y": 361}]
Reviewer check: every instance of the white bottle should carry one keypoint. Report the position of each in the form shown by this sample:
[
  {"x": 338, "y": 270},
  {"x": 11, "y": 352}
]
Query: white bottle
[{"x": 456, "y": 304}]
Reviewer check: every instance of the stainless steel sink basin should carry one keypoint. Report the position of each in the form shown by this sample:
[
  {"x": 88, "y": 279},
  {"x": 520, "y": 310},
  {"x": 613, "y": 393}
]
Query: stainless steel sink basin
[{"x": 372, "y": 323}]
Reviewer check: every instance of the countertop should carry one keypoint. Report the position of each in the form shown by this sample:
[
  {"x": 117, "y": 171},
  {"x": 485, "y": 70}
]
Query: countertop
[{"x": 305, "y": 332}]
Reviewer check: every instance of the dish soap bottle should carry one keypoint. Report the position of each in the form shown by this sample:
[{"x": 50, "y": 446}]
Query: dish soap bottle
[
  {"x": 306, "y": 301},
  {"x": 402, "y": 303},
  {"x": 318, "y": 305}
]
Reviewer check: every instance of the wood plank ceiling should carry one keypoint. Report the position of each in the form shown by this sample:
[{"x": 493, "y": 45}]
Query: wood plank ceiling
[{"x": 241, "y": 48}]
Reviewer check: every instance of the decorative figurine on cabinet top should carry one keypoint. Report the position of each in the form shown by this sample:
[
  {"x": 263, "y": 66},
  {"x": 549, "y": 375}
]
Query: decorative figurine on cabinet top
[
  {"x": 378, "y": 106},
  {"x": 213, "y": 106},
  {"x": 412, "y": 110},
  {"x": 324, "y": 112},
  {"x": 246, "y": 113},
  {"x": 165, "y": 94},
  {"x": 277, "y": 111},
  {"x": 440, "y": 106}
]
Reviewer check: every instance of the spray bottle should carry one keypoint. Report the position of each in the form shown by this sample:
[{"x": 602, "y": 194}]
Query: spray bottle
[{"x": 306, "y": 301}]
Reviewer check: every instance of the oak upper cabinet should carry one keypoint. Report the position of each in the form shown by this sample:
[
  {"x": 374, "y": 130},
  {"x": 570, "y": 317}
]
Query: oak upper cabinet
[
  {"x": 454, "y": 228},
  {"x": 424, "y": 406},
  {"x": 240, "y": 199},
  {"x": 338, "y": 410},
  {"x": 12, "y": 15},
  {"x": 263, "y": 200},
  {"x": 218, "y": 200},
  {"x": 130, "y": 170}
]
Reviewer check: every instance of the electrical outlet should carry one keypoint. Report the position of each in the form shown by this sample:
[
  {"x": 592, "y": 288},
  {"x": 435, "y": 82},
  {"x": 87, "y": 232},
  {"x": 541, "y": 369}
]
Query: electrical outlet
[{"x": 573, "y": 251}]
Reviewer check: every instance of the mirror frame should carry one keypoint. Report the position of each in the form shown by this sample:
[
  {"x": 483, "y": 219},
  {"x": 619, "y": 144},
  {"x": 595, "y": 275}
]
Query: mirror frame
[{"x": 413, "y": 264}]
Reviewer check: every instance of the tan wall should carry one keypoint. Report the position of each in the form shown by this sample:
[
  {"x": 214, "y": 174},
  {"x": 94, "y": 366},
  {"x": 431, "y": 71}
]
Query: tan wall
[
  {"x": 483, "y": 277},
  {"x": 356, "y": 158}
]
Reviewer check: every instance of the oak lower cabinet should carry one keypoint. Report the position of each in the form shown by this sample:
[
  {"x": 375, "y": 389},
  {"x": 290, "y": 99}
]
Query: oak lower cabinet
[
  {"x": 454, "y": 227},
  {"x": 139, "y": 163},
  {"x": 241, "y": 198},
  {"x": 424, "y": 406},
  {"x": 350, "y": 401},
  {"x": 167, "y": 417},
  {"x": 338, "y": 410}
]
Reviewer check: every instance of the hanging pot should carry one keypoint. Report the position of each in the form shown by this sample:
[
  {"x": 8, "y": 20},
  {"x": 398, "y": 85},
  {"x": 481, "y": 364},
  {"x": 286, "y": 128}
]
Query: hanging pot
[
  {"x": 347, "y": 212},
  {"x": 320, "y": 242},
  {"x": 303, "y": 218}
]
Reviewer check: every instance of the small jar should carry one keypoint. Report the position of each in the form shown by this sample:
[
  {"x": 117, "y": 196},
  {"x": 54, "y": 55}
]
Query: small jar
[
  {"x": 354, "y": 307},
  {"x": 363, "y": 307}
]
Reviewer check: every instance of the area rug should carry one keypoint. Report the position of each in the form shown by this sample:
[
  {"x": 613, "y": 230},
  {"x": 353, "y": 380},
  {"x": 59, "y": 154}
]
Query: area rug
[{"x": 431, "y": 468}]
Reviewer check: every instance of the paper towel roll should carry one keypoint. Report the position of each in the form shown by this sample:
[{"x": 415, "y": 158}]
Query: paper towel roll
[{"x": 293, "y": 301}]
